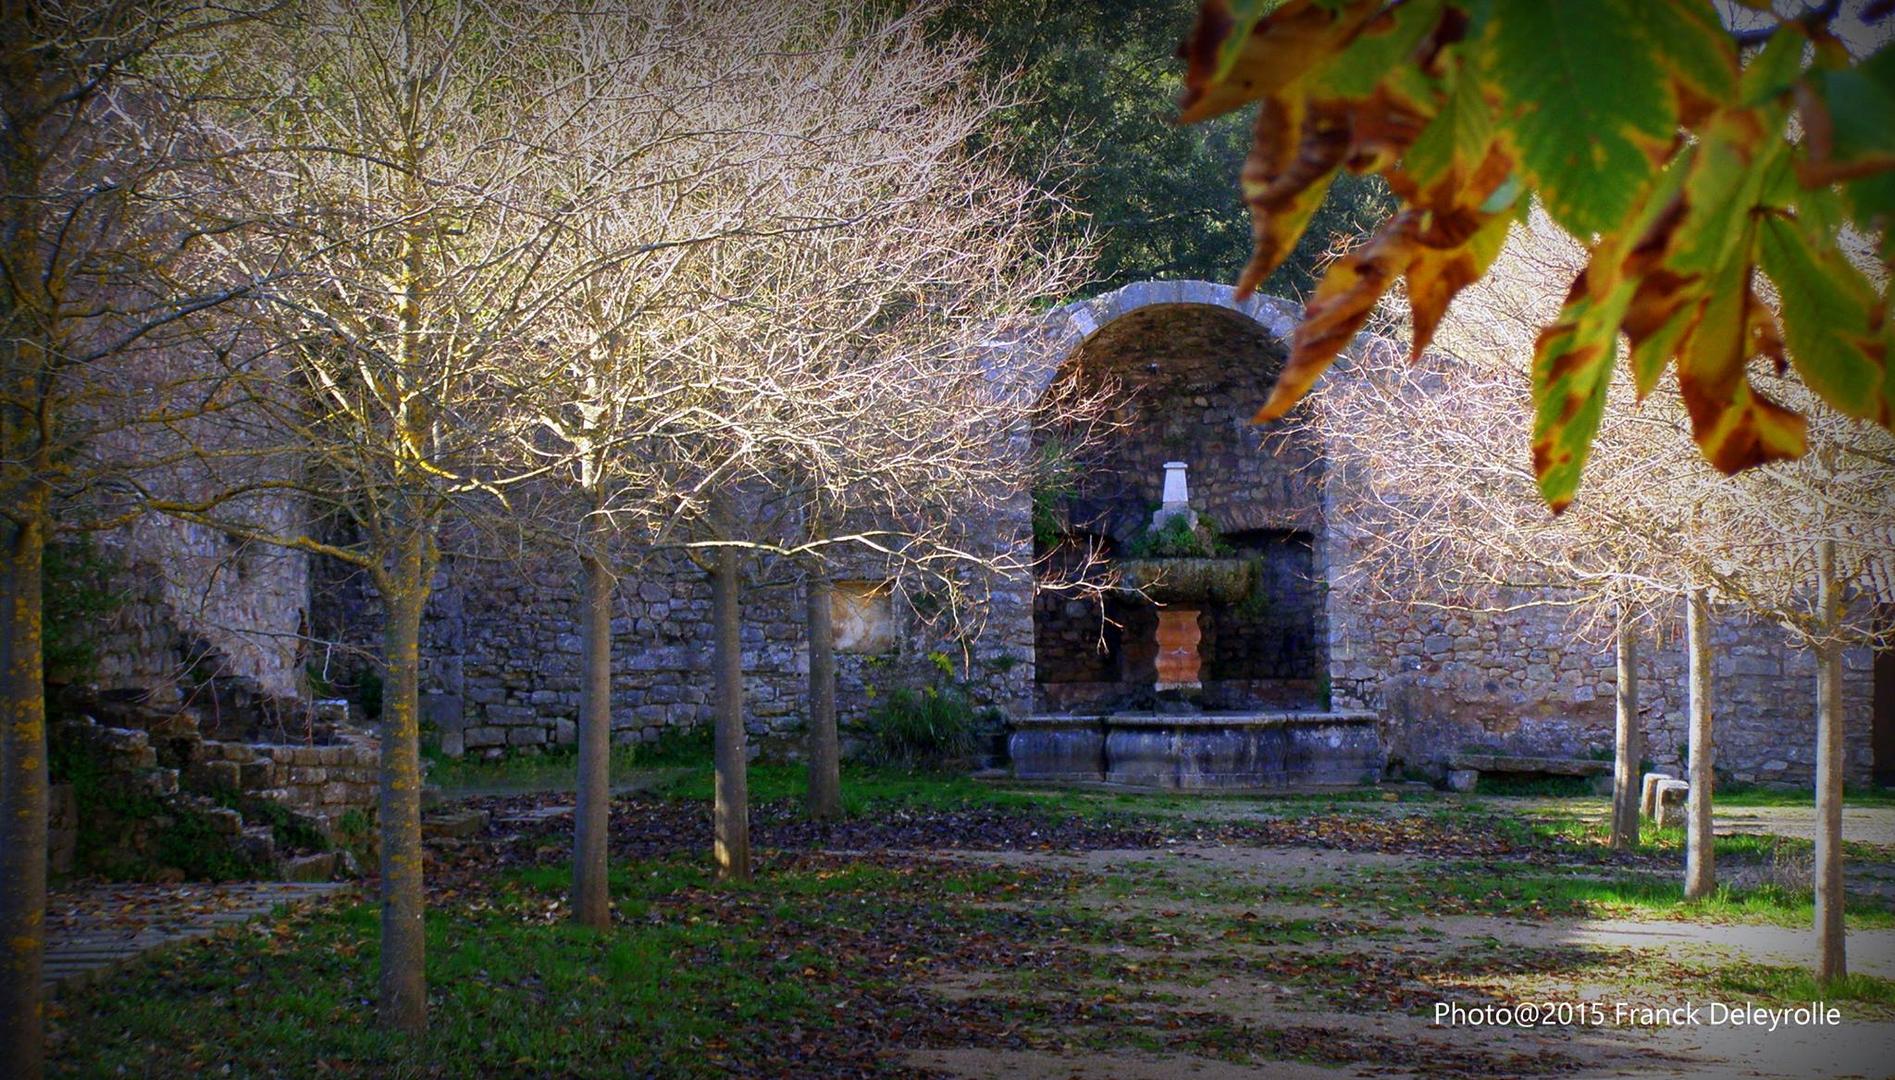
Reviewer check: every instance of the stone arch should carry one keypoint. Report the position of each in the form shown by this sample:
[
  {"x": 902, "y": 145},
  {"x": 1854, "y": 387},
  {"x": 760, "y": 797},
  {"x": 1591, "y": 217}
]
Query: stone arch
[
  {"x": 1196, "y": 362},
  {"x": 1065, "y": 329}
]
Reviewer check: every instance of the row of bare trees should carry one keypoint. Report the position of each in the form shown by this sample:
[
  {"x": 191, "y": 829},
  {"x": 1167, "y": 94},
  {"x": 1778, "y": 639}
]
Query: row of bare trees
[
  {"x": 1442, "y": 509},
  {"x": 706, "y": 279}
]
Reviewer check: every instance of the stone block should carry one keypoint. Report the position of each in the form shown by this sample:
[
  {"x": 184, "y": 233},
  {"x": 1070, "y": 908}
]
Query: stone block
[
  {"x": 453, "y": 744},
  {"x": 457, "y": 824},
  {"x": 303, "y": 774},
  {"x": 444, "y": 712},
  {"x": 1648, "y": 793},
  {"x": 160, "y": 782},
  {"x": 565, "y": 732},
  {"x": 255, "y": 773},
  {"x": 318, "y": 867},
  {"x": 224, "y": 821},
  {"x": 338, "y": 792},
  {"x": 1673, "y": 796},
  {"x": 476, "y": 738},
  {"x": 222, "y": 775},
  {"x": 526, "y": 736},
  {"x": 1462, "y": 780}
]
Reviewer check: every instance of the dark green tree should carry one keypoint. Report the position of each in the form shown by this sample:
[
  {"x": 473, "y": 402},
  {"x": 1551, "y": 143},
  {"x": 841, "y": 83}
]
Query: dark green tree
[{"x": 1100, "y": 81}]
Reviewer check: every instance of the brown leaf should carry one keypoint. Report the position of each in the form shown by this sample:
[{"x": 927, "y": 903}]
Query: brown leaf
[
  {"x": 1296, "y": 150},
  {"x": 1340, "y": 307},
  {"x": 1279, "y": 50}
]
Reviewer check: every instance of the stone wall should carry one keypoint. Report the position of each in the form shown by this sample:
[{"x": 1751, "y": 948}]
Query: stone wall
[
  {"x": 501, "y": 645},
  {"x": 196, "y": 603},
  {"x": 1526, "y": 683},
  {"x": 502, "y": 665}
]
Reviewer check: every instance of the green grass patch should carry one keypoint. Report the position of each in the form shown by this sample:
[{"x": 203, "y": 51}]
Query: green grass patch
[
  {"x": 513, "y": 992},
  {"x": 1480, "y": 889},
  {"x": 554, "y": 769},
  {"x": 1793, "y": 985},
  {"x": 1755, "y": 795}
]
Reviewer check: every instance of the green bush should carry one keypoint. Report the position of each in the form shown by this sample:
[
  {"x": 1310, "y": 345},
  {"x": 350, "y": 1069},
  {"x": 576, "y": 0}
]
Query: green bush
[
  {"x": 1177, "y": 539},
  {"x": 920, "y": 729}
]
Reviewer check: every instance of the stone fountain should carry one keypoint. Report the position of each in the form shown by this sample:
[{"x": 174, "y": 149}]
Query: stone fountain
[{"x": 1176, "y": 745}]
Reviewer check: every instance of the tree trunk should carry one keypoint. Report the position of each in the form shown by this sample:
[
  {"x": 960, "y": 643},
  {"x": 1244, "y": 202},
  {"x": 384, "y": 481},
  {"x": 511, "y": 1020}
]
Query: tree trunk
[
  {"x": 1700, "y": 875},
  {"x": 404, "y": 993},
  {"x": 1830, "y": 962},
  {"x": 1629, "y": 742},
  {"x": 825, "y": 764},
  {"x": 591, "y": 904},
  {"x": 731, "y": 810},
  {"x": 22, "y": 800}
]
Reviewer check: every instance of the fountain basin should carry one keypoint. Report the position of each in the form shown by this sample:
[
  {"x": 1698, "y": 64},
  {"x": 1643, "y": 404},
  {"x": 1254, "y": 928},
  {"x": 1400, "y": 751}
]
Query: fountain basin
[
  {"x": 1188, "y": 581},
  {"x": 1200, "y": 751}
]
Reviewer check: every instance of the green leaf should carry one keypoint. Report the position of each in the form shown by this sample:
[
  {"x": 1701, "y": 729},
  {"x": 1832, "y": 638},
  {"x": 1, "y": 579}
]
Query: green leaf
[
  {"x": 1572, "y": 366},
  {"x": 1384, "y": 47},
  {"x": 1699, "y": 51},
  {"x": 1861, "y": 103},
  {"x": 1589, "y": 112},
  {"x": 1773, "y": 71},
  {"x": 1457, "y": 137},
  {"x": 1825, "y": 313}
]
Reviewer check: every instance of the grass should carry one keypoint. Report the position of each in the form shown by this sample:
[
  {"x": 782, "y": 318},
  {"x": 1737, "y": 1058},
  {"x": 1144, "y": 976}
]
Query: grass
[
  {"x": 1753, "y": 795},
  {"x": 1483, "y": 889},
  {"x": 515, "y": 989},
  {"x": 700, "y": 978},
  {"x": 1797, "y": 985},
  {"x": 556, "y": 769}
]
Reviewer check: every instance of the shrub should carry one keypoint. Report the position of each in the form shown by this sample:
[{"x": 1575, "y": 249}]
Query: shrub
[{"x": 920, "y": 729}]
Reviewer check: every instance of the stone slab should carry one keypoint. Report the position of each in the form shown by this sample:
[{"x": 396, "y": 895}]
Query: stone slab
[{"x": 1551, "y": 766}]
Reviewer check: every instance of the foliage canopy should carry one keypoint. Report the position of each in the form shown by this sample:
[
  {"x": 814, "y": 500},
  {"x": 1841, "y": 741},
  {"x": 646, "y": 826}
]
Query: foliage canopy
[
  {"x": 1152, "y": 194},
  {"x": 1693, "y": 158}
]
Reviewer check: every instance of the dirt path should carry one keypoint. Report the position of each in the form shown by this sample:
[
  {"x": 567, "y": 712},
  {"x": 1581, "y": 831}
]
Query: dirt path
[{"x": 1617, "y": 965}]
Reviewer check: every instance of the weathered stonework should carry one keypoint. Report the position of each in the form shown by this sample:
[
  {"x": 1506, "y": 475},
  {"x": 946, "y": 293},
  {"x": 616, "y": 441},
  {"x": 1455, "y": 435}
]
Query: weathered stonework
[{"x": 501, "y": 644}]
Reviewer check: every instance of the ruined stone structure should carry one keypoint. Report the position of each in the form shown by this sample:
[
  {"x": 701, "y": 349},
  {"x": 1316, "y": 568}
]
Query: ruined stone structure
[{"x": 501, "y": 643}]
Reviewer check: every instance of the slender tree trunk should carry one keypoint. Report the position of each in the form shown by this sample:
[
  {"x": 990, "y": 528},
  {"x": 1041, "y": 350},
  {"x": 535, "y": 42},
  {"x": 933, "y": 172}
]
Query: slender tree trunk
[
  {"x": 1830, "y": 962},
  {"x": 1700, "y": 874},
  {"x": 591, "y": 906},
  {"x": 404, "y": 992},
  {"x": 731, "y": 809},
  {"x": 22, "y": 800},
  {"x": 29, "y": 342},
  {"x": 1628, "y": 743},
  {"x": 824, "y": 751}
]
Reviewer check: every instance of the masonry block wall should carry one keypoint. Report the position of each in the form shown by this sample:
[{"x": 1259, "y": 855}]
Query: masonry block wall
[{"x": 502, "y": 665}]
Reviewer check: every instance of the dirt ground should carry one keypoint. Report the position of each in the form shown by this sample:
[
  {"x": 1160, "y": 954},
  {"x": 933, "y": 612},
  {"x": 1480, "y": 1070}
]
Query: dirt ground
[{"x": 1590, "y": 977}]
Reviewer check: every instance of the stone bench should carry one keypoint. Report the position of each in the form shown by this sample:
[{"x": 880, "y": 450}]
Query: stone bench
[{"x": 1464, "y": 769}]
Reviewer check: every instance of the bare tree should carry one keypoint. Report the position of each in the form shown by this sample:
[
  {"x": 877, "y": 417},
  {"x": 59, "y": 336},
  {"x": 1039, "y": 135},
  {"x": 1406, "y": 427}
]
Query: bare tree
[
  {"x": 412, "y": 212},
  {"x": 1449, "y": 498},
  {"x": 804, "y": 373},
  {"x": 1447, "y": 511},
  {"x": 99, "y": 272}
]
